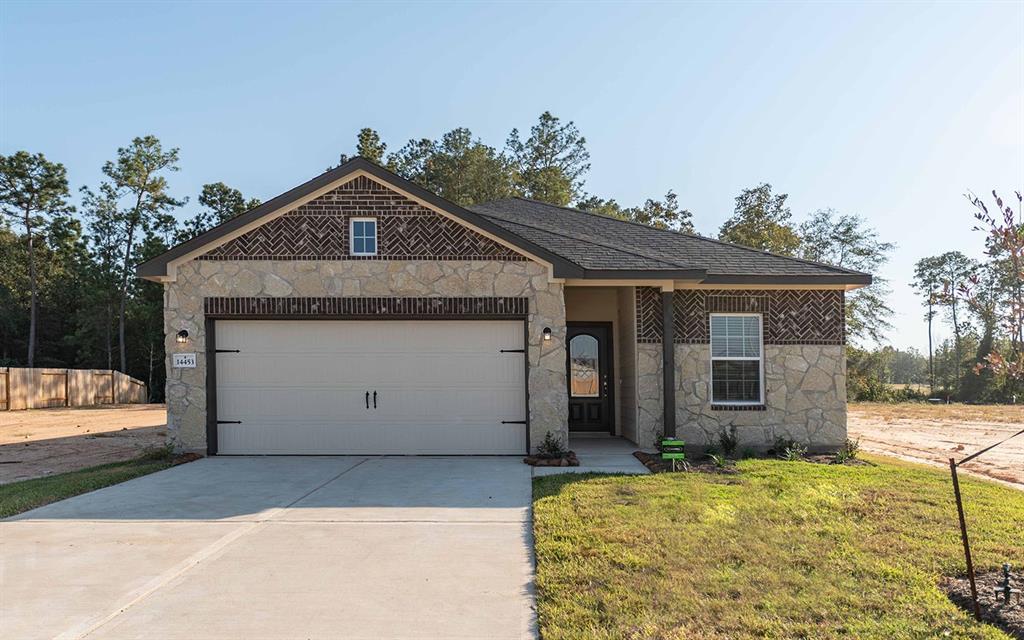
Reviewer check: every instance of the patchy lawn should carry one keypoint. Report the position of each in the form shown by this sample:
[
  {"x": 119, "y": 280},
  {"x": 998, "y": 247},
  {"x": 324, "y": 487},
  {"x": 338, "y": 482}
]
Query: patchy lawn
[
  {"x": 935, "y": 433},
  {"x": 17, "y": 497},
  {"x": 781, "y": 550}
]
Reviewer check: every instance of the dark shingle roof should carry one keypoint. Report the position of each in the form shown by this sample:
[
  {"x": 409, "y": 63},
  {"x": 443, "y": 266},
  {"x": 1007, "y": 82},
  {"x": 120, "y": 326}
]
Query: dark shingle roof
[{"x": 600, "y": 243}]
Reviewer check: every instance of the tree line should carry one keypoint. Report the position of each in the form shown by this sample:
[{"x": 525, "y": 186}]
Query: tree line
[{"x": 69, "y": 298}]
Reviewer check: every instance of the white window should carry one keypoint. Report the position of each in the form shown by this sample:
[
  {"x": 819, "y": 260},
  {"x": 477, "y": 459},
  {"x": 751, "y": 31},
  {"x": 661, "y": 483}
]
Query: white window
[
  {"x": 362, "y": 233},
  {"x": 736, "y": 359}
]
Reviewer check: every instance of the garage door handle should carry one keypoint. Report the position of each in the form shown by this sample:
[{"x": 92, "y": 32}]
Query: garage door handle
[
  {"x": 375, "y": 399},
  {"x": 367, "y": 399}
]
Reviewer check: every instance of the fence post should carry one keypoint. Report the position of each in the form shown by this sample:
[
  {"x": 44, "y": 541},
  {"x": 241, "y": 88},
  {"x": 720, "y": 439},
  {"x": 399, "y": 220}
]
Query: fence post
[{"x": 963, "y": 536}]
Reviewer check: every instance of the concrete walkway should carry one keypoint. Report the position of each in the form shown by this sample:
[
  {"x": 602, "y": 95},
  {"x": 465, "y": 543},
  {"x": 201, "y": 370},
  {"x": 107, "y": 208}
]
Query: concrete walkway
[
  {"x": 599, "y": 454},
  {"x": 283, "y": 547}
]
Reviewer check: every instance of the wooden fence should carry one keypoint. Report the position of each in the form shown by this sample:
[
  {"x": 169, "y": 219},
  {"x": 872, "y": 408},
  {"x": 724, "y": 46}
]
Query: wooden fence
[{"x": 22, "y": 388}]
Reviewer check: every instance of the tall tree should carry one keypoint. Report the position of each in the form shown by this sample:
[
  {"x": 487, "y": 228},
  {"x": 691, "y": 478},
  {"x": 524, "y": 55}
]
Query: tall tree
[
  {"x": 457, "y": 167},
  {"x": 661, "y": 214},
  {"x": 368, "y": 145},
  {"x": 942, "y": 278},
  {"x": 32, "y": 187},
  {"x": 761, "y": 220},
  {"x": 550, "y": 164},
  {"x": 1005, "y": 248},
  {"x": 221, "y": 203},
  {"x": 847, "y": 241},
  {"x": 137, "y": 184}
]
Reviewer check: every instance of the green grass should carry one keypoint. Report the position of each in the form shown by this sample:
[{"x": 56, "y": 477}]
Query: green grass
[
  {"x": 17, "y": 497},
  {"x": 781, "y": 550}
]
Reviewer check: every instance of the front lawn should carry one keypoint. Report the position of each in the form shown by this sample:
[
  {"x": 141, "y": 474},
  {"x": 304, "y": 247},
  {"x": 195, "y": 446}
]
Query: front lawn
[
  {"x": 781, "y": 550},
  {"x": 17, "y": 497}
]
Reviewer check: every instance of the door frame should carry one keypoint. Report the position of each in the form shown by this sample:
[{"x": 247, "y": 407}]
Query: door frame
[
  {"x": 210, "y": 327},
  {"x": 610, "y": 332}
]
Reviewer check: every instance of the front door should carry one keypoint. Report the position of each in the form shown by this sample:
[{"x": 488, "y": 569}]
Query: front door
[{"x": 589, "y": 372}]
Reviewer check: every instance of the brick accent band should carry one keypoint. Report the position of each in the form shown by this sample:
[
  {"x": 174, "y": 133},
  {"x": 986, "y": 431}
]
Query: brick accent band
[
  {"x": 790, "y": 316},
  {"x": 369, "y": 307}
]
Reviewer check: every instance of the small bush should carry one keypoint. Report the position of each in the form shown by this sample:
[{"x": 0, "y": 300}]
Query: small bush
[
  {"x": 728, "y": 441},
  {"x": 849, "y": 451},
  {"x": 552, "y": 446},
  {"x": 718, "y": 460},
  {"x": 748, "y": 453},
  {"x": 788, "y": 449},
  {"x": 163, "y": 453}
]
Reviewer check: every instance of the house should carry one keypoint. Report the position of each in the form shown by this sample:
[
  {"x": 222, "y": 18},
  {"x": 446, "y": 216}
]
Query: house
[{"x": 359, "y": 313}]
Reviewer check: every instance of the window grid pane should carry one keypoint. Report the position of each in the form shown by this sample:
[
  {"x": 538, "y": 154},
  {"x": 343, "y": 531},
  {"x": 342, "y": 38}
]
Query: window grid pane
[
  {"x": 364, "y": 236},
  {"x": 736, "y": 364}
]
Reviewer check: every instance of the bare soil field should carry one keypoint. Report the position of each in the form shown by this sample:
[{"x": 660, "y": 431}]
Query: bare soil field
[
  {"x": 40, "y": 442},
  {"x": 935, "y": 433}
]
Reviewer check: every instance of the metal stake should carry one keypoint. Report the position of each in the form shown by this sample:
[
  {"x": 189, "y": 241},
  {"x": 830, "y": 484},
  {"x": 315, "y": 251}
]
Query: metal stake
[{"x": 967, "y": 544}]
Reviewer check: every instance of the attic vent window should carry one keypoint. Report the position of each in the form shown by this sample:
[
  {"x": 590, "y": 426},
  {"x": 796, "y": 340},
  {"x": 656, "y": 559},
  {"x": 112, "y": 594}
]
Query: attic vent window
[{"x": 362, "y": 234}]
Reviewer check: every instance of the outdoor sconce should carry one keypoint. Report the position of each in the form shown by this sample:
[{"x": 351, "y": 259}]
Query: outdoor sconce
[
  {"x": 182, "y": 336},
  {"x": 547, "y": 333}
]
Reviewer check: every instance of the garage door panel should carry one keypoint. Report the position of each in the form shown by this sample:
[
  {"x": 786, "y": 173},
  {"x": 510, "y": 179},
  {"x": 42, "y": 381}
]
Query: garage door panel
[{"x": 300, "y": 387}]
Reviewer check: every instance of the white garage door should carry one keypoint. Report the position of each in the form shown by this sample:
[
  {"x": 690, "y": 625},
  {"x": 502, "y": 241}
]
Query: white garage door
[{"x": 370, "y": 387}]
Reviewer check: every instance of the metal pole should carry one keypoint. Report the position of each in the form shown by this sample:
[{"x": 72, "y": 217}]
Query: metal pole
[
  {"x": 931, "y": 368},
  {"x": 963, "y": 536}
]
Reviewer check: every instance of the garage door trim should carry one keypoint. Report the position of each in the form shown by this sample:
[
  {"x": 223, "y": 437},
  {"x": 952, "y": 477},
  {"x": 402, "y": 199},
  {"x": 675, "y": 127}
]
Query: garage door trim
[{"x": 211, "y": 359}]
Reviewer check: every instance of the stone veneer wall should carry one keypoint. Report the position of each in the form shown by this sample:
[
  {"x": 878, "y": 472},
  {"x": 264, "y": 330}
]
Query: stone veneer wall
[
  {"x": 805, "y": 398},
  {"x": 196, "y": 280},
  {"x": 650, "y": 409},
  {"x": 804, "y": 368}
]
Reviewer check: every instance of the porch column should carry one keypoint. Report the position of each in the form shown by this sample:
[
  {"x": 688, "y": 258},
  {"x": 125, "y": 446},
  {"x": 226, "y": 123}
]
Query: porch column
[{"x": 668, "y": 362}]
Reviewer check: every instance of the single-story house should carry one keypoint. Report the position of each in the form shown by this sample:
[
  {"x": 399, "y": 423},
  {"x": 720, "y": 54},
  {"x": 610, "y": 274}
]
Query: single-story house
[{"x": 359, "y": 313}]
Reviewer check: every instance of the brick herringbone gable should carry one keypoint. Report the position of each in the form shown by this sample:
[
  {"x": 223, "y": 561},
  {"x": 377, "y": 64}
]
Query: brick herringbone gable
[
  {"x": 790, "y": 316},
  {"x": 318, "y": 230}
]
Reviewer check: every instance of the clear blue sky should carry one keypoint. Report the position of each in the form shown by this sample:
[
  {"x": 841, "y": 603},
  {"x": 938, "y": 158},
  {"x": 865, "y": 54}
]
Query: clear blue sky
[{"x": 890, "y": 111}]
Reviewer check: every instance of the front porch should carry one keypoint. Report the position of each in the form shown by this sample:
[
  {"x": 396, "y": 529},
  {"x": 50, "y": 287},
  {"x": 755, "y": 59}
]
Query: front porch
[{"x": 599, "y": 453}]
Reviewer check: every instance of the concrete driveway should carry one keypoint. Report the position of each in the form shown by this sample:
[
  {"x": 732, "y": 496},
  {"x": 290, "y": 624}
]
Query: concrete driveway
[{"x": 386, "y": 547}]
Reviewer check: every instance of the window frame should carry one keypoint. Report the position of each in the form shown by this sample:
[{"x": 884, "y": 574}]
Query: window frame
[
  {"x": 713, "y": 358},
  {"x": 352, "y": 236}
]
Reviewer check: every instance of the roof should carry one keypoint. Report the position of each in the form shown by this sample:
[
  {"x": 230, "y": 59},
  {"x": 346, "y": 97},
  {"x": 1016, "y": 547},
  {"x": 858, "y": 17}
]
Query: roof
[
  {"x": 577, "y": 244},
  {"x": 602, "y": 245}
]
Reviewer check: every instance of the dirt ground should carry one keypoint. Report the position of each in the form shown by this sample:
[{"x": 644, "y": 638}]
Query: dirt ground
[
  {"x": 40, "y": 442},
  {"x": 936, "y": 433}
]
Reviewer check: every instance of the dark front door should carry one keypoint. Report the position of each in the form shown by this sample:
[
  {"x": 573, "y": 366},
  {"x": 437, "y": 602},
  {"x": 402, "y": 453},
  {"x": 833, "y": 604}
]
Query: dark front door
[{"x": 590, "y": 377}]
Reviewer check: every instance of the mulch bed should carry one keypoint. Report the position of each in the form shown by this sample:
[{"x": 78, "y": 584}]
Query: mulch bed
[
  {"x": 568, "y": 460},
  {"x": 655, "y": 464},
  {"x": 1009, "y": 618}
]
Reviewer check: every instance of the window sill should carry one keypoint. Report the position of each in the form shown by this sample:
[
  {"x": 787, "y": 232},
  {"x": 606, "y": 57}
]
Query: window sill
[{"x": 738, "y": 407}]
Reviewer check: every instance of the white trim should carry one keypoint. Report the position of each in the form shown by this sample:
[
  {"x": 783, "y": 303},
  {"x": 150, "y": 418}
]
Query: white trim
[
  {"x": 172, "y": 266},
  {"x": 688, "y": 284},
  {"x": 760, "y": 362},
  {"x": 352, "y": 236}
]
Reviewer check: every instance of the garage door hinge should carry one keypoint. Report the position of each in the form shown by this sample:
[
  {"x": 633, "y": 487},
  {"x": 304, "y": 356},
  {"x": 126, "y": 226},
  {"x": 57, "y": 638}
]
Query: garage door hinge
[
  {"x": 512, "y": 351},
  {"x": 227, "y": 351},
  {"x": 513, "y": 422},
  {"x": 229, "y": 422}
]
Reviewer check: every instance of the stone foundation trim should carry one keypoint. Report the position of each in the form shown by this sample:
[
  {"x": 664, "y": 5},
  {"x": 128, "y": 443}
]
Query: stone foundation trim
[{"x": 368, "y": 307}]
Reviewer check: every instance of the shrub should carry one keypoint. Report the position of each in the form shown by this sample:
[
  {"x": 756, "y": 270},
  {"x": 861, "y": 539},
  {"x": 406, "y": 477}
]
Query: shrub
[
  {"x": 848, "y": 451},
  {"x": 728, "y": 441},
  {"x": 163, "y": 453},
  {"x": 788, "y": 449},
  {"x": 718, "y": 460},
  {"x": 552, "y": 446}
]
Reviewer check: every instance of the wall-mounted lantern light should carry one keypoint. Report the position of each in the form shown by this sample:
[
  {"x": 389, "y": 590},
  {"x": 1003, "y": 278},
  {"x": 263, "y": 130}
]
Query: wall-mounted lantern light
[
  {"x": 547, "y": 333},
  {"x": 182, "y": 336}
]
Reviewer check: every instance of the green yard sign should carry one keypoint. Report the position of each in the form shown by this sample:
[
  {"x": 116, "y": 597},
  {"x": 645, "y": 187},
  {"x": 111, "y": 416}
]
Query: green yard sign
[{"x": 672, "y": 449}]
